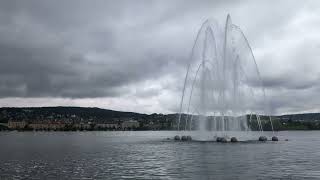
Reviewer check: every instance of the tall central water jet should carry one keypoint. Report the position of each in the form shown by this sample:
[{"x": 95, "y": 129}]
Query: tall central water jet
[{"x": 222, "y": 90}]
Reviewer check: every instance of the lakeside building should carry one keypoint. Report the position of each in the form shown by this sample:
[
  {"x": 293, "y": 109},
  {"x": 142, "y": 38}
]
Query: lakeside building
[
  {"x": 49, "y": 126},
  {"x": 67, "y": 125},
  {"x": 84, "y": 126},
  {"x": 130, "y": 124},
  {"x": 107, "y": 126},
  {"x": 17, "y": 124},
  {"x": 153, "y": 126}
]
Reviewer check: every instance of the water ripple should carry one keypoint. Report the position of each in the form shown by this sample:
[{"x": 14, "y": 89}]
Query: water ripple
[{"x": 145, "y": 155}]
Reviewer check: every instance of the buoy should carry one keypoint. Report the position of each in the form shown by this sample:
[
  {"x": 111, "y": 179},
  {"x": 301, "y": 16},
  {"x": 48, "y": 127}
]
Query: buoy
[
  {"x": 275, "y": 138},
  {"x": 219, "y": 139},
  {"x": 189, "y": 138},
  {"x": 177, "y": 138},
  {"x": 263, "y": 138},
  {"x": 234, "y": 139}
]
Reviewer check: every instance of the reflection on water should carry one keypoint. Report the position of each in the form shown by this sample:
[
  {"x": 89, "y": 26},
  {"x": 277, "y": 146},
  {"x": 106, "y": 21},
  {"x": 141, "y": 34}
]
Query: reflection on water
[{"x": 146, "y": 155}]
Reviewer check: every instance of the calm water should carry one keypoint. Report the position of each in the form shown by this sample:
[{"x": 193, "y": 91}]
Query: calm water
[{"x": 146, "y": 155}]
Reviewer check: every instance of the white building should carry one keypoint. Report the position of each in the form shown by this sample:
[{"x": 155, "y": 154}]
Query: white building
[{"x": 130, "y": 124}]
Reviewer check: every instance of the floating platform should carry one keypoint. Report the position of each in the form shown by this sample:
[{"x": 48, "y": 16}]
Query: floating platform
[{"x": 187, "y": 138}]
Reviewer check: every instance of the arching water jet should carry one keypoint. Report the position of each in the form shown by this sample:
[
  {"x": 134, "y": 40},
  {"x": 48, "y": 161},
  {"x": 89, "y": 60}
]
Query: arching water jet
[{"x": 222, "y": 84}]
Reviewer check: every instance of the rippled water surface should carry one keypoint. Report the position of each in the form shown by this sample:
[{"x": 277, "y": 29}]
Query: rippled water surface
[{"x": 147, "y": 155}]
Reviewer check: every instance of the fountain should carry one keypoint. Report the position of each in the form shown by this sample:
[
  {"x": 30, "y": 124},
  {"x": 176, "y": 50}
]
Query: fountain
[{"x": 223, "y": 91}]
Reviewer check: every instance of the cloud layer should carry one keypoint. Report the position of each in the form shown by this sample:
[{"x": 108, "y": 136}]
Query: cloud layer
[{"x": 131, "y": 55}]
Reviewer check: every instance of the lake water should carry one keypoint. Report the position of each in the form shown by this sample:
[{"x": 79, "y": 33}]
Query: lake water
[{"x": 147, "y": 155}]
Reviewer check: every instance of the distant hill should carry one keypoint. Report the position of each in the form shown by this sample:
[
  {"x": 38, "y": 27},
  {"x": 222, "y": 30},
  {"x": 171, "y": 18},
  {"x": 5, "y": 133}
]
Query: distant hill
[
  {"x": 157, "y": 121},
  {"x": 78, "y": 115},
  {"x": 84, "y": 112},
  {"x": 300, "y": 117}
]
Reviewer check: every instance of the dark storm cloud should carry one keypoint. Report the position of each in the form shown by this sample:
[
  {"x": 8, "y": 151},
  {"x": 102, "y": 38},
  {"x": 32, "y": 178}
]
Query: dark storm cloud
[
  {"x": 85, "y": 49},
  {"x": 75, "y": 49},
  {"x": 89, "y": 49}
]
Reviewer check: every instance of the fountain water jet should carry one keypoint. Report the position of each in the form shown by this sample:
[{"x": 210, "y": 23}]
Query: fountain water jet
[{"x": 222, "y": 84}]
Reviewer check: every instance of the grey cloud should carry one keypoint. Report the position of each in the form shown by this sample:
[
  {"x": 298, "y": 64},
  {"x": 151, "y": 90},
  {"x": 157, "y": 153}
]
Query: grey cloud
[
  {"x": 87, "y": 49},
  {"x": 64, "y": 67},
  {"x": 287, "y": 82}
]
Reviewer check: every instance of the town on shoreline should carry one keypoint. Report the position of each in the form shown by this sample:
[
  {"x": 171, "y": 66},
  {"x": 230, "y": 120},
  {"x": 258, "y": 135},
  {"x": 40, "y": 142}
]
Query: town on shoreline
[{"x": 96, "y": 119}]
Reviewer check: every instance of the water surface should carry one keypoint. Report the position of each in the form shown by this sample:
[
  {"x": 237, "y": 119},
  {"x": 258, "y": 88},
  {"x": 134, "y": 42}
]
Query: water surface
[{"x": 147, "y": 155}]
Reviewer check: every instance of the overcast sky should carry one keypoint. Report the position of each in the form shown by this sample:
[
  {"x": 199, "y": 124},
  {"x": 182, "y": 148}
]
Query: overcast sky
[{"x": 132, "y": 55}]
